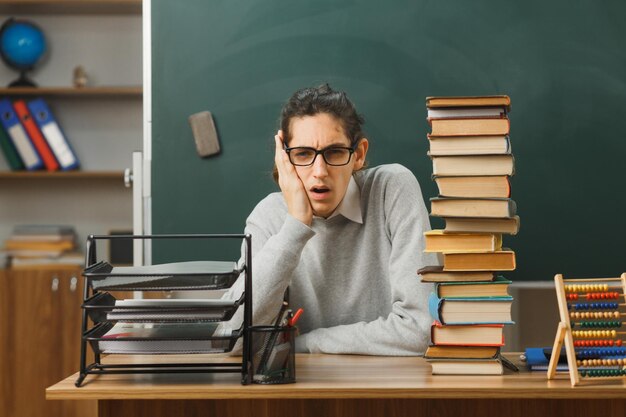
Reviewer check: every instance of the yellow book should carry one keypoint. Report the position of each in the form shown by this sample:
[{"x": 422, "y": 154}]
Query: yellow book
[{"x": 438, "y": 241}]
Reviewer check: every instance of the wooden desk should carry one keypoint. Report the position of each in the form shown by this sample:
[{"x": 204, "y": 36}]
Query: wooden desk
[{"x": 347, "y": 386}]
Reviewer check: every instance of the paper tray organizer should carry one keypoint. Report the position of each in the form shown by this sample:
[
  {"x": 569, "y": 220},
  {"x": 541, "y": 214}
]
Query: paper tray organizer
[
  {"x": 170, "y": 326},
  {"x": 160, "y": 345}
]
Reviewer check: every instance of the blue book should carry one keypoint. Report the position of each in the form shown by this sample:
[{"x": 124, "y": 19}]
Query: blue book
[
  {"x": 538, "y": 359},
  {"x": 476, "y": 310},
  {"x": 18, "y": 136},
  {"x": 55, "y": 137}
]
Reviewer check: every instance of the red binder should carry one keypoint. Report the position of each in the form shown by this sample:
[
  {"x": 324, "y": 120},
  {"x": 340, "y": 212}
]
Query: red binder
[{"x": 35, "y": 135}]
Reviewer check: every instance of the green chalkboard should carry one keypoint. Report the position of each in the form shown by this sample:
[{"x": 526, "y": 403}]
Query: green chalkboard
[{"x": 563, "y": 64}]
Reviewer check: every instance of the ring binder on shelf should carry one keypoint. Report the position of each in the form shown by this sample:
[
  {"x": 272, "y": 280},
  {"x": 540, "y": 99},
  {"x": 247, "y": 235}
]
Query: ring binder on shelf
[{"x": 165, "y": 326}]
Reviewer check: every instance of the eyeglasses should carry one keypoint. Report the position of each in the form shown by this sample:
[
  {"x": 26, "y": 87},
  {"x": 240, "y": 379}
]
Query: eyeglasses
[{"x": 333, "y": 155}]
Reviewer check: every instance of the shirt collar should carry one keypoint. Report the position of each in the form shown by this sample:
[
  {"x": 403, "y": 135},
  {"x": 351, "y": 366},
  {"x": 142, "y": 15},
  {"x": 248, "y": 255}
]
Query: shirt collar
[{"x": 350, "y": 206}]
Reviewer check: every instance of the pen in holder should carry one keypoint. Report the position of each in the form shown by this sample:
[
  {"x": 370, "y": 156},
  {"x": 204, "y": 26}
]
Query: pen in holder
[{"x": 273, "y": 358}]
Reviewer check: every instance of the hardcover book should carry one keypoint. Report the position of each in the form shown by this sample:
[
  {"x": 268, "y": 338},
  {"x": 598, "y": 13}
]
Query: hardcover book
[
  {"x": 456, "y": 352},
  {"x": 437, "y": 274},
  {"x": 469, "y": 145},
  {"x": 479, "y": 310},
  {"x": 467, "y": 335},
  {"x": 472, "y": 207},
  {"x": 468, "y": 101},
  {"x": 472, "y": 165},
  {"x": 502, "y": 260},
  {"x": 437, "y": 241},
  {"x": 508, "y": 225},
  {"x": 474, "y": 187},
  {"x": 467, "y": 366},
  {"x": 465, "y": 112},
  {"x": 469, "y": 126},
  {"x": 496, "y": 288}
]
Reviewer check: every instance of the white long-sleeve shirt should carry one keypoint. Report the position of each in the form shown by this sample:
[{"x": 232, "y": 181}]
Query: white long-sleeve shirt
[{"x": 356, "y": 282}]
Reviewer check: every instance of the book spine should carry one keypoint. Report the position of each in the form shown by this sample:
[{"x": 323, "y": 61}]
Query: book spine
[
  {"x": 53, "y": 134},
  {"x": 11, "y": 123},
  {"x": 9, "y": 151},
  {"x": 434, "y": 304},
  {"x": 35, "y": 136}
]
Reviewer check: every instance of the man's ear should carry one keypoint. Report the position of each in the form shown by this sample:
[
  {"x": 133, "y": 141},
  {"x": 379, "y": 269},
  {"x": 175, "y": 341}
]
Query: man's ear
[{"x": 359, "y": 154}]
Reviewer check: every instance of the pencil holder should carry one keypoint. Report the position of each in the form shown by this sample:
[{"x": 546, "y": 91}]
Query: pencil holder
[{"x": 273, "y": 358}]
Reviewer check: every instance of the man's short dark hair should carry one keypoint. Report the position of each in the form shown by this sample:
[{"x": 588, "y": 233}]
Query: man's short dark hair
[{"x": 322, "y": 99}]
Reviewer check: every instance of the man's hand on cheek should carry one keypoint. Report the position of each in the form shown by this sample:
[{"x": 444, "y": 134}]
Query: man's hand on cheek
[{"x": 295, "y": 195}]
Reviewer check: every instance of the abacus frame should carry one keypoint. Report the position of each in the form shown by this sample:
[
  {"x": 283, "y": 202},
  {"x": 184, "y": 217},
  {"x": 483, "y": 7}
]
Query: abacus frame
[{"x": 564, "y": 330}]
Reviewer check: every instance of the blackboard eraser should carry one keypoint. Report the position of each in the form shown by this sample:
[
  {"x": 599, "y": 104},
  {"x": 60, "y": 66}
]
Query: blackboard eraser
[{"x": 204, "y": 133}]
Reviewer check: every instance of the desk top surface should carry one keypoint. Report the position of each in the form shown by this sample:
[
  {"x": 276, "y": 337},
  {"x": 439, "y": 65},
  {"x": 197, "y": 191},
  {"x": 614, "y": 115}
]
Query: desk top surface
[{"x": 336, "y": 376}]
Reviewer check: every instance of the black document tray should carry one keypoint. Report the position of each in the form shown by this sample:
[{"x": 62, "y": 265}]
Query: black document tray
[
  {"x": 151, "y": 345},
  {"x": 101, "y": 307},
  {"x": 193, "y": 275}
]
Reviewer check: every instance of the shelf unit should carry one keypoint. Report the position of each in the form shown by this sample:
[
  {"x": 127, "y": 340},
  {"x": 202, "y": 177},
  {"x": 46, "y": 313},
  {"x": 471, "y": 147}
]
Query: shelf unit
[
  {"x": 100, "y": 308},
  {"x": 71, "y": 6},
  {"x": 96, "y": 92},
  {"x": 64, "y": 98},
  {"x": 103, "y": 121},
  {"x": 62, "y": 175}
]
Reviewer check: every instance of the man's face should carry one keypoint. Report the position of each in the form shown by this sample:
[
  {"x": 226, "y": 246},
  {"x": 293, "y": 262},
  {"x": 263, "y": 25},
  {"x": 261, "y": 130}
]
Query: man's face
[{"x": 324, "y": 184}]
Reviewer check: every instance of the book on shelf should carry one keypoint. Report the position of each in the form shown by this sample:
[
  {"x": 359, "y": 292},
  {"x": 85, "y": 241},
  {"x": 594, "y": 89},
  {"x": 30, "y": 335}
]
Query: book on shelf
[
  {"x": 467, "y": 335},
  {"x": 478, "y": 310},
  {"x": 43, "y": 117},
  {"x": 472, "y": 165},
  {"x": 496, "y": 186},
  {"x": 472, "y": 207},
  {"x": 35, "y": 135},
  {"x": 496, "y": 288},
  {"x": 10, "y": 153},
  {"x": 468, "y": 101},
  {"x": 460, "y": 351},
  {"x": 469, "y": 145},
  {"x": 64, "y": 259},
  {"x": 48, "y": 242},
  {"x": 502, "y": 260},
  {"x": 43, "y": 229},
  {"x": 436, "y": 273},
  {"x": 162, "y": 338},
  {"x": 509, "y": 225},
  {"x": 470, "y": 126},
  {"x": 438, "y": 241},
  {"x": 44, "y": 237},
  {"x": 19, "y": 138},
  {"x": 61, "y": 245},
  {"x": 463, "y": 366},
  {"x": 35, "y": 253}
]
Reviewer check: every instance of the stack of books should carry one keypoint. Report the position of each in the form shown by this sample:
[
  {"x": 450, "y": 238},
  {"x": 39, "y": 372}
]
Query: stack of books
[
  {"x": 472, "y": 162},
  {"x": 42, "y": 245},
  {"x": 31, "y": 139}
]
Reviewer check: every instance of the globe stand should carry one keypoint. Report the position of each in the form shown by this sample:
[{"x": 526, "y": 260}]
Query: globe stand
[{"x": 23, "y": 81}]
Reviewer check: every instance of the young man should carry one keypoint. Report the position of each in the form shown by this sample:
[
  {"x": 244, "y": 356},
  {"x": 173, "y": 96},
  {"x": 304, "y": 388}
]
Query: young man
[{"x": 346, "y": 241}]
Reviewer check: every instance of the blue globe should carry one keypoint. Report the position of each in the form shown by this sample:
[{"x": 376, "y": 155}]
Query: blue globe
[{"x": 22, "y": 44}]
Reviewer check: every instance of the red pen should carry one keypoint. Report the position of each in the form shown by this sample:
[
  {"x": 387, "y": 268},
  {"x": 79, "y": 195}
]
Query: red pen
[{"x": 292, "y": 321}]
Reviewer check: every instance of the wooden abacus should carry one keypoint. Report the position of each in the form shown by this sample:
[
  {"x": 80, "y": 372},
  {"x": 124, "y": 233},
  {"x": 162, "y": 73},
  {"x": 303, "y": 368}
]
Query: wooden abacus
[{"x": 594, "y": 348}]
